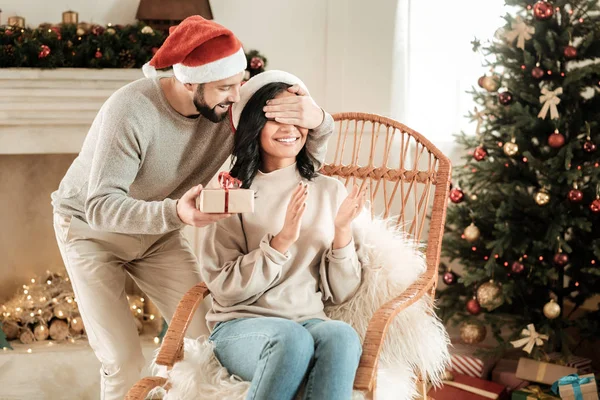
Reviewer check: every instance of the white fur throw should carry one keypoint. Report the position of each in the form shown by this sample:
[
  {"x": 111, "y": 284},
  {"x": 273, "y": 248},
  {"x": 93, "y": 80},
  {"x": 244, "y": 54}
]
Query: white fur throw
[{"x": 416, "y": 341}]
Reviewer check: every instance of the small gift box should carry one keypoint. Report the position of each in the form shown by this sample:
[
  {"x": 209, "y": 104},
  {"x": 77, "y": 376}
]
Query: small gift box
[
  {"x": 532, "y": 392},
  {"x": 468, "y": 388},
  {"x": 505, "y": 372},
  {"x": 465, "y": 362},
  {"x": 573, "y": 387},
  {"x": 541, "y": 372},
  {"x": 229, "y": 198},
  {"x": 583, "y": 365}
]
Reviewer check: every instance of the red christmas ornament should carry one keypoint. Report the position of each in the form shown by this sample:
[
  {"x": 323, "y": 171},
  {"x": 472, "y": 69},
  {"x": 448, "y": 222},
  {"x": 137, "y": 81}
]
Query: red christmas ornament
[
  {"x": 517, "y": 267},
  {"x": 56, "y": 30},
  {"x": 473, "y": 307},
  {"x": 561, "y": 259},
  {"x": 44, "y": 52},
  {"x": 98, "y": 54},
  {"x": 575, "y": 196},
  {"x": 537, "y": 73},
  {"x": 595, "y": 206},
  {"x": 505, "y": 98},
  {"x": 480, "y": 153},
  {"x": 589, "y": 146},
  {"x": 543, "y": 10},
  {"x": 8, "y": 32},
  {"x": 449, "y": 278},
  {"x": 97, "y": 30},
  {"x": 256, "y": 63},
  {"x": 556, "y": 140},
  {"x": 456, "y": 195},
  {"x": 570, "y": 52}
]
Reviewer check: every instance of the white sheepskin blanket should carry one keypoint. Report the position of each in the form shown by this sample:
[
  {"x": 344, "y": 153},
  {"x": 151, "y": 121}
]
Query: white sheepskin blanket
[{"x": 416, "y": 341}]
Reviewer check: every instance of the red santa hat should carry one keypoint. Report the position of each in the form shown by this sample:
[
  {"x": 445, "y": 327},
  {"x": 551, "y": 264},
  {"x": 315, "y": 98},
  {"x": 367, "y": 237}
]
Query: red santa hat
[{"x": 199, "y": 51}]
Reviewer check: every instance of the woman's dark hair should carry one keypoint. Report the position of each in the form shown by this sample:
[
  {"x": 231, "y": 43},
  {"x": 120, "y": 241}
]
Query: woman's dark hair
[{"x": 247, "y": 157}]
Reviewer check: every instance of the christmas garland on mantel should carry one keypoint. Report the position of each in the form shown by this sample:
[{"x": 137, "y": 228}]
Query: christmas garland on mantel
[{"x": 89, "y": 46}]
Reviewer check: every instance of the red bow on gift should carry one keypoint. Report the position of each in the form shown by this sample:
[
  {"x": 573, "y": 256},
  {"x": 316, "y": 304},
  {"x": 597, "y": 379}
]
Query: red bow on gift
[{"x": 226, "y": 181}]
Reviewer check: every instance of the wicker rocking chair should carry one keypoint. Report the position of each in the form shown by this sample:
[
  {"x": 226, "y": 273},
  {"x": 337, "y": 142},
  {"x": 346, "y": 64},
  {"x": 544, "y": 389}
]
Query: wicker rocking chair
[{"x": 401, "y": 169}]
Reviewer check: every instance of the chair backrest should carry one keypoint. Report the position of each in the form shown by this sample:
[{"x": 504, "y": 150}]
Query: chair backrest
[{"x": 408, "y": 178}]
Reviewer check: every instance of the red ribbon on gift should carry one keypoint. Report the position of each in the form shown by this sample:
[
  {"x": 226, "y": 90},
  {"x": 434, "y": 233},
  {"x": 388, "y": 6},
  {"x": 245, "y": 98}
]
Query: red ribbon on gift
[{"x": 226, "y": 181}]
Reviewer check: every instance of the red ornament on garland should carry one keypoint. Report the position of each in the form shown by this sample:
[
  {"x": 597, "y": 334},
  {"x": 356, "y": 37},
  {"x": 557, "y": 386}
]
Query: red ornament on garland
[
  {"x": 256, "y": 63},
  {"x": 575, "y": 196},
  {"x": 473, "y": 307},
  {"x": 556, "y": 140},
  {"x": 8, "y": 32},
  {"x": 480, "y": 153},
  {"x": 595, "y": 206},
  {"x": 44, "y": 52},
  {"x": 537, "y": 73},
  {"x": 456, "y": 195},
  {"x": 98, "y": 54},
  {"x": 543, "y": 10},
  {"x": 589, "y": 146},
  {"x": 97, "y": 30},
  {"x": 561, "y": 259},
  {"x": 449, "y": 278},
  {"x": 56, "y": 30},
  {"x": 570, "y": 52},
  {"x": 505, "y": 98}
]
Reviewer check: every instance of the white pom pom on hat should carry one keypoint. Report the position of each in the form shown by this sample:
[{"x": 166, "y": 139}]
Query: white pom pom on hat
[{"x": 249, "y": 88}]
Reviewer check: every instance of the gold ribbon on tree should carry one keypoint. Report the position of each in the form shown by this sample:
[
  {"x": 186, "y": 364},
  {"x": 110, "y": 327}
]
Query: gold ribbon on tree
[
  {"x": 520, "y": 30},
  {"x": 549, "y": 99},
  {"x": 533, "y": 339}
]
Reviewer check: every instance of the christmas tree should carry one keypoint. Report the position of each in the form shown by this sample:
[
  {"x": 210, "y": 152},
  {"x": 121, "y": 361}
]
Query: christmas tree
[{"x": 524, "y": 221}]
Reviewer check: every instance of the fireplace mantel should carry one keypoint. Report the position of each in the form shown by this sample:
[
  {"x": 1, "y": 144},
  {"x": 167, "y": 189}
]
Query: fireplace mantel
[{"x": 50, "y": 111}]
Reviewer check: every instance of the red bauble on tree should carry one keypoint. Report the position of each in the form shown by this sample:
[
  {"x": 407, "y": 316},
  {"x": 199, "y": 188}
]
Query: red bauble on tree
[
  {"x": 595, "y": 206},
  {"x": 449, "y": 278},
  {"x": 575, "y": 196},
  {"x": 473, "y": 307},
  {"x": 480, "y": 153},
  {"x": 456, "y": 195},
  {"x": 98, "y": 54},
  {"x": 589, "y": 146},
  {"x": 570, "y": 52},
  {"x": 561, "y": 259},
  {"x": 556, "y": 140},
  {"x": 543, "y": 10},
  {"x": 517, "y": 267},
  {"x": 505, "y": 98},
  {"x": 537, "y": 73},
  {"x": 97, "y": 30},
  {"x": 44, "y": 51}
]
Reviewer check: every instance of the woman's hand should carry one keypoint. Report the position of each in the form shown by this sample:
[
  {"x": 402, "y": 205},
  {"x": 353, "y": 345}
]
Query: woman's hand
[
  {"x": 350, "y": 208},
  {"x": 293, "y": 220}
]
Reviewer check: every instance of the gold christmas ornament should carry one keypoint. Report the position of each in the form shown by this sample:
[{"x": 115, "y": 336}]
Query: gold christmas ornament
[
  {"x": 472, "y": 333},
  {"x": 551, "y": 309},
  {"x": 59, "y": 330},
  {"x": 511, "y": 149},
  {"x": 77, "y": 324},
  {"x": 489, "y": 295},
  {"x": 41, "y": 332},
  {"x": 147, "y": 30},
  {"x": 491, "y": 83},
  {"x": 27, "y": 337},
  {"x": 542, "y": 198},
  {"x": 472, "y": 233}
]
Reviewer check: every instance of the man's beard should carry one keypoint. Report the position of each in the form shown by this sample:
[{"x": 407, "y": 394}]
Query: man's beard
[{"x": 205, "y": 110}]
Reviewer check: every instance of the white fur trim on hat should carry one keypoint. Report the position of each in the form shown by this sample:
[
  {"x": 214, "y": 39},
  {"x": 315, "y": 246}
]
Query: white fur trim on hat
[
  {"x": 214, "y": 71},
  {"x": 255, "y": 83},
  {"x": 149, "y": 71}
]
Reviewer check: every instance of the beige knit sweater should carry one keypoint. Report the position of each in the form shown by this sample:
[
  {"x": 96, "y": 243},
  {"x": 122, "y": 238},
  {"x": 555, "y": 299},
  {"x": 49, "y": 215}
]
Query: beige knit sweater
[
  {"x": 140, "y": 156},
  {"x": 248, "y": 278}
]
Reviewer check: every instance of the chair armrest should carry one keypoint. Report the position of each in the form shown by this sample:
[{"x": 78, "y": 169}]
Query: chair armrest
[
  {"x": 366, "y": 375},
  {"x": 140, "y": 390},
  {"x": 171, "y": 349}
]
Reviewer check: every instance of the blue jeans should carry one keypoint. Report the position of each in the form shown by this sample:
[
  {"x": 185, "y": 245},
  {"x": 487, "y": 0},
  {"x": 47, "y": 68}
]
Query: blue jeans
[{"x": 277, "y": 354}]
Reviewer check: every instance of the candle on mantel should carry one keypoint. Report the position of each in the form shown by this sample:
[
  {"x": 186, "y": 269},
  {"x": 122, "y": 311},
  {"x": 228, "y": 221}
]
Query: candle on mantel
[
  {"x": 18, "y": 22},
  {"x": 70, "y": 17}
]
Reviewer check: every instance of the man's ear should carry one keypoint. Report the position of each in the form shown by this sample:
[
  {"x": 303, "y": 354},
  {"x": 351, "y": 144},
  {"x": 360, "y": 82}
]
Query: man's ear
[{"x": 190, "y": 87}]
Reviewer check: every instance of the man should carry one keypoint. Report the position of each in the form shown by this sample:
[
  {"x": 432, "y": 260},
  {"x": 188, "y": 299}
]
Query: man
[{"x": 123, "y": 202}]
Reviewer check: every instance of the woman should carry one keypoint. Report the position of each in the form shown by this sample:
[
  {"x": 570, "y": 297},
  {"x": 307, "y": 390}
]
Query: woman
[{"x": 271, "y": 271}]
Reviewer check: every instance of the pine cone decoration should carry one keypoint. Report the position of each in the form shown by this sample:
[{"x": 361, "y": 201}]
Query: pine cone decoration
[{"x": 126, "y": 59}]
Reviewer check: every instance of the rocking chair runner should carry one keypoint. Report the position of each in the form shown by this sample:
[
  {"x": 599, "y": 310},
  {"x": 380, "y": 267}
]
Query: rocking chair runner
[{"x": 412, "y": 171}]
